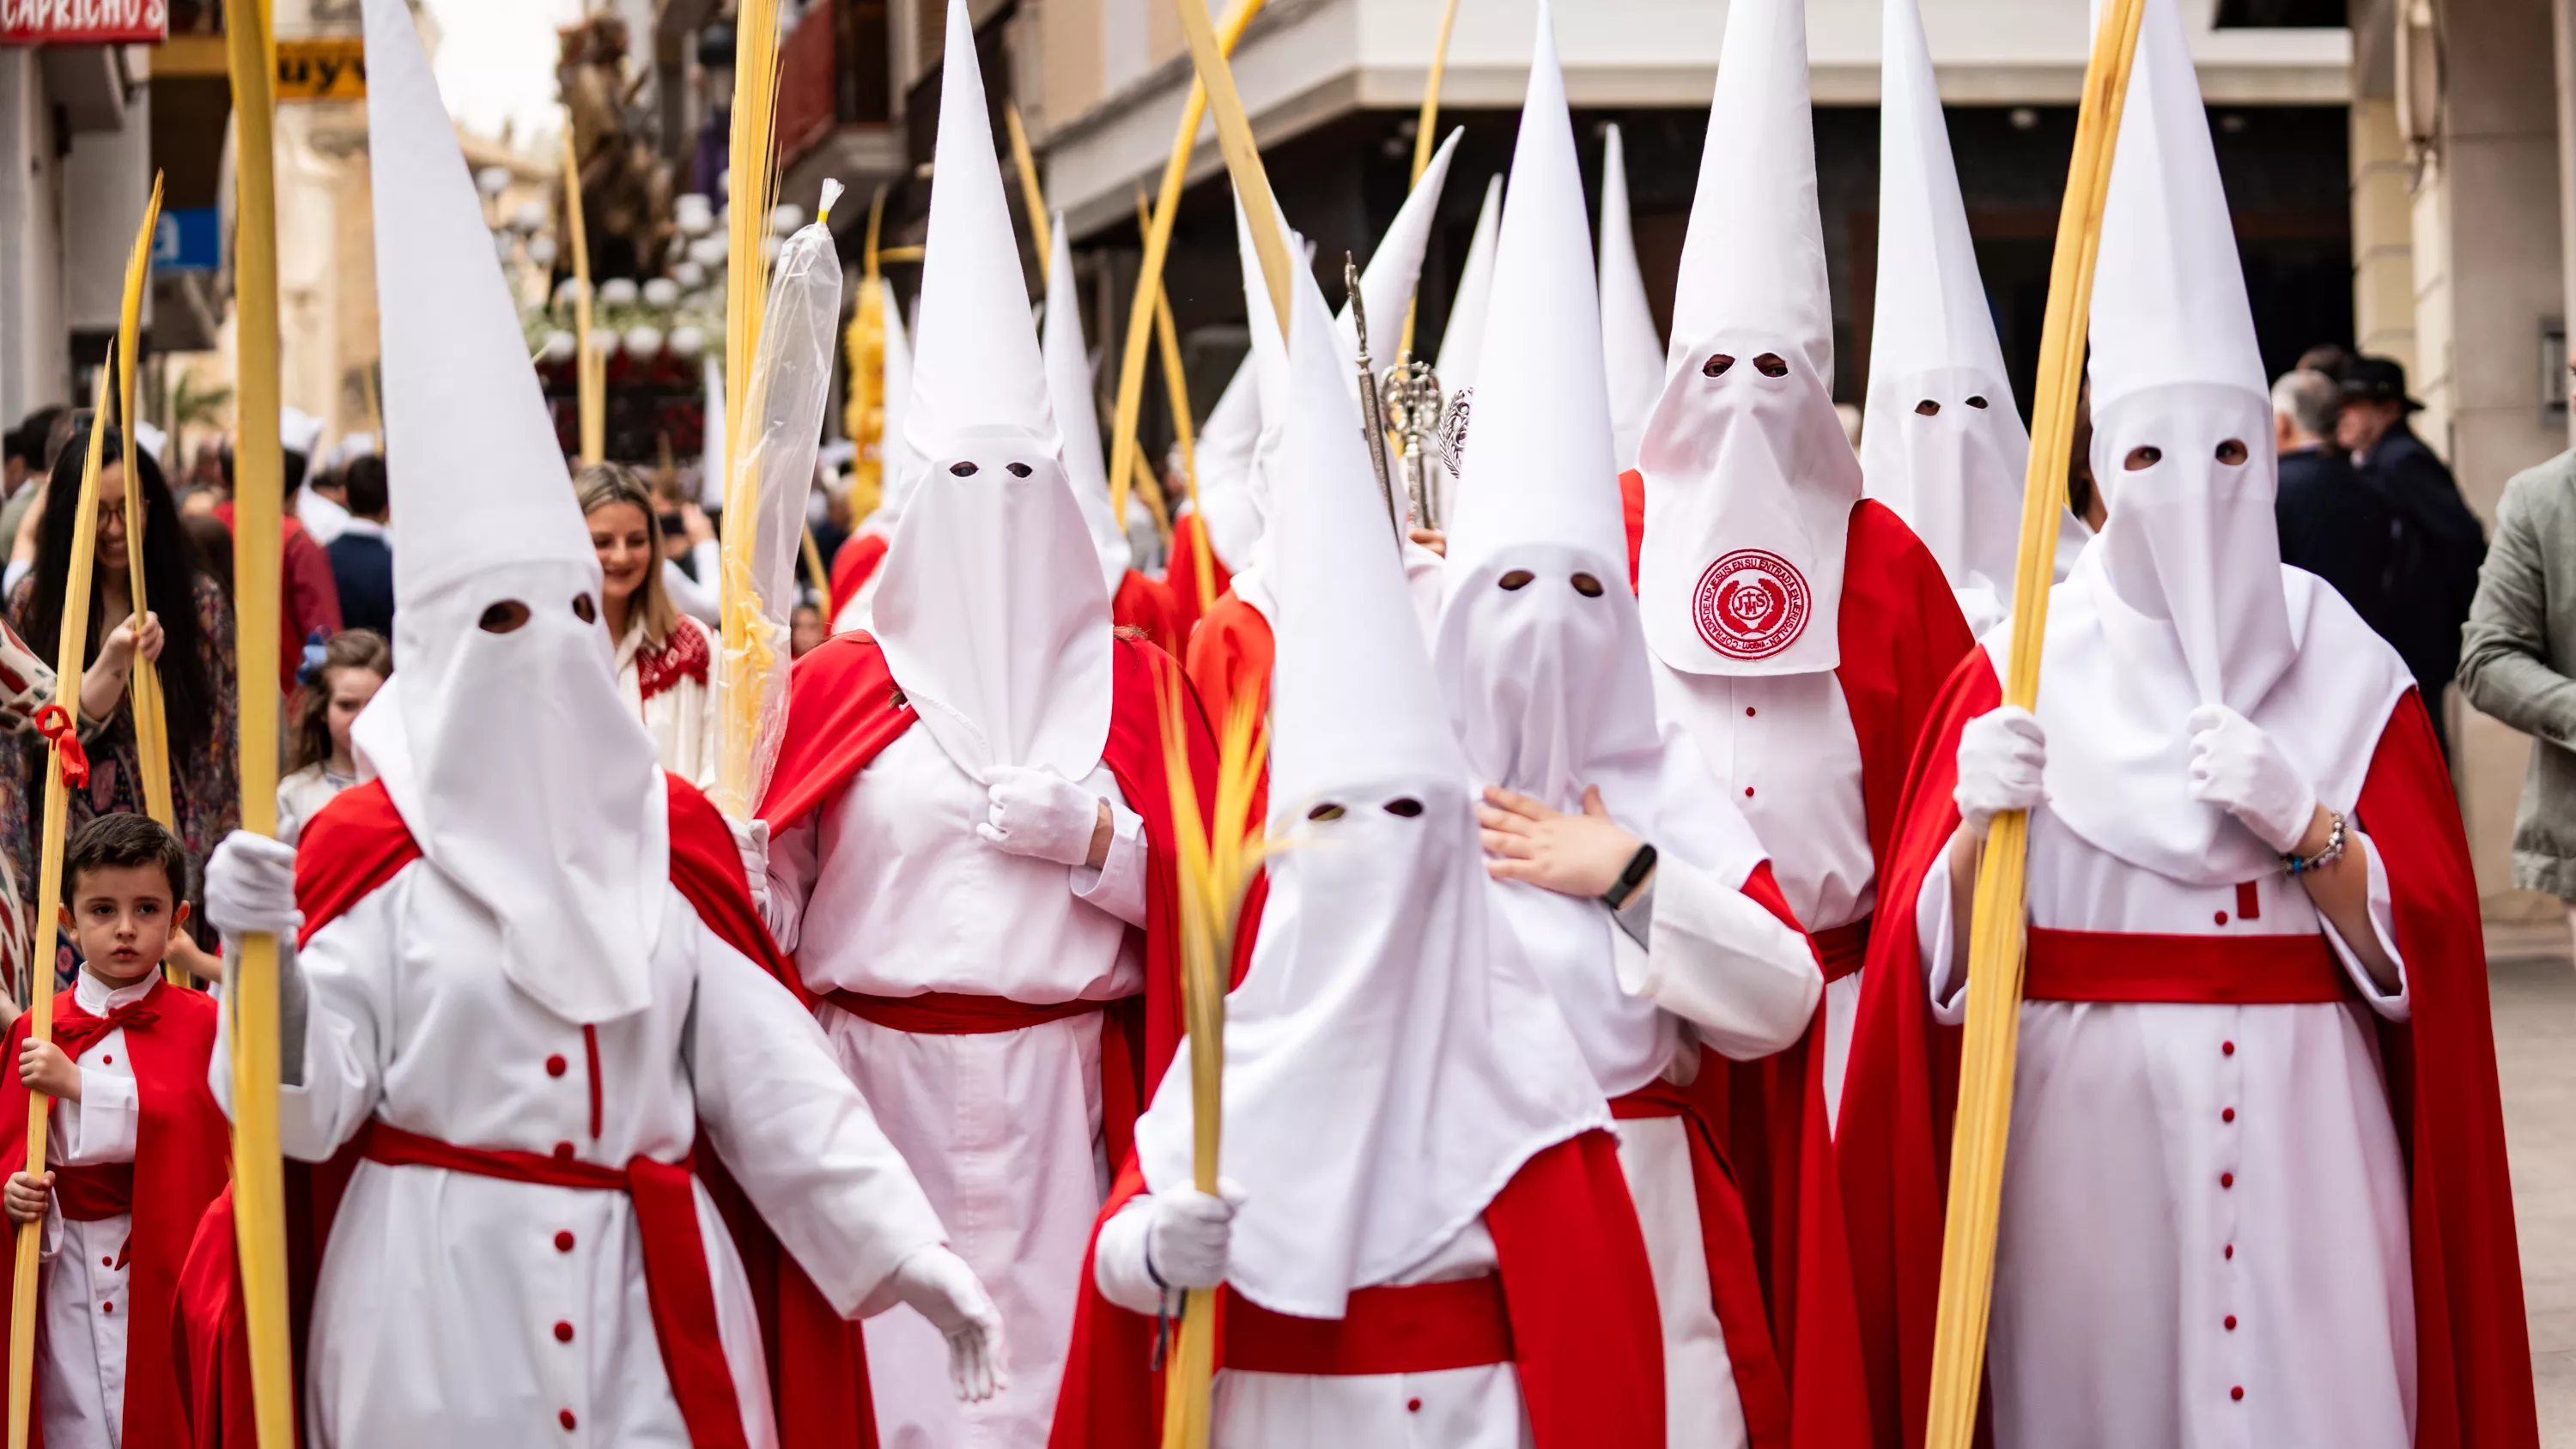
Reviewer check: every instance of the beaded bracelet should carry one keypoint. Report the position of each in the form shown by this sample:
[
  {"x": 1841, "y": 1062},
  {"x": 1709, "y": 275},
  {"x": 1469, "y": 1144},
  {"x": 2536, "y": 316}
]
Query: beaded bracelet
[{"x": 2333, "y": 850}]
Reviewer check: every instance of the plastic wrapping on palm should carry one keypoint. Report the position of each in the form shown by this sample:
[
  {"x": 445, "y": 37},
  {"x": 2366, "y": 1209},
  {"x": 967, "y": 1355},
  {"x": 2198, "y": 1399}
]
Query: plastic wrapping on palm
[{"x": 764, "y": 518}]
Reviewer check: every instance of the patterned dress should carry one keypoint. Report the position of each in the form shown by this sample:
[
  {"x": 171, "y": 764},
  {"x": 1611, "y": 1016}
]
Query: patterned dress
[{"x": 205, "y": 783}]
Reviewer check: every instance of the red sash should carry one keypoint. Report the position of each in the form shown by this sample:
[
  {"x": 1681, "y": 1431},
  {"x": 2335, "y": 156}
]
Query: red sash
[
  {"x": 2212, "y": 970},
  {"x": 1843, "y": 949},
  {"x": 1420, "y": 1329},
  {"x": 955, "y": 1013},
  {"x": 94, "y": 1193},
  {"x": 1734, "y": 1282},
  {"x": 675, "y": 1259}
]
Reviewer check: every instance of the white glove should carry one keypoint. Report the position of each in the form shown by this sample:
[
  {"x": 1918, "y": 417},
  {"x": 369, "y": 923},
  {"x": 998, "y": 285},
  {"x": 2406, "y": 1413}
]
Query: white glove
[
  {"x": 2236, "y": 767},
  {"x": 2002, "y": 755},
  {"x": 1041, "y": 814},
  {"x": 751, "y": 838},
  {"x": 1191, "y": 1236},
  {"x": 939, "y": 1285},
  {"x": 250, "y": 887}
]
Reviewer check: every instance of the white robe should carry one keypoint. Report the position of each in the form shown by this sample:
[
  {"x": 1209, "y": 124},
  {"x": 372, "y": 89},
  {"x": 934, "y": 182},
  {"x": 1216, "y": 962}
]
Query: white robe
[
  {"x": 458, "y": 1309},
  {"x": 80, "y": 1359},
  {"x": 1464, "y": 1408},
  {"x": 2199, "y": 1199},
  {"x": 1738, "y": 981},
  {"x": 1786, "y": 751},
  {"x": 886, "y": 890}
]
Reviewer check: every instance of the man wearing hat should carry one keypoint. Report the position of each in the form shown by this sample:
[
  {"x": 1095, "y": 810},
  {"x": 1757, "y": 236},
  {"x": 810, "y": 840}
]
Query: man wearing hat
[{"x": 2435, "y": 543}]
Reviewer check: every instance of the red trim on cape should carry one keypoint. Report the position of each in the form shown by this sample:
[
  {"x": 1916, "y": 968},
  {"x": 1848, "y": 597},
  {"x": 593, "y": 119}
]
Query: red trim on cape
[
  {"x": 1632, "y": 511},
  {"x": 1230, "y": 655},
  {"x": 1587, "y": 1342},
  {"x": 853, "y": 563},
  {"x": 1181, "y": 575},
  {"x": 844, "y": 708},
  {"x": 182, "y": 1158},
  {"x": 1146, "y": 606},
  {"x": 817, "y": 1360},
  {"x": 2473, "y": 1354}
]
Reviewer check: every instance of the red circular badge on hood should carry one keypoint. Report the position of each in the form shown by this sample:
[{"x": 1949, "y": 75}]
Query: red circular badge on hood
[{"x": 1750, "y": 605}]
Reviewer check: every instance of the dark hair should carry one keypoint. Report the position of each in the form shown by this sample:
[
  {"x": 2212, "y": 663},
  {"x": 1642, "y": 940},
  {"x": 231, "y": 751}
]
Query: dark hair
[
  {"x": 112, "y": 842},
  {"x": 170, "y": 573},
  {"x": 214, "y": 545},
  {"x": 27, "y": 443},
  {"x": 295, "y": 465},
  {"x": 364, "y": 480},
  {"x": 349, "y": 649}
]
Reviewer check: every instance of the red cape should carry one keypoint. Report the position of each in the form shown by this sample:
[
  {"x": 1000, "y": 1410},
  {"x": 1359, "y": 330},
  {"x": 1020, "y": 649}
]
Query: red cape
[
  {"x": 1181, "y": 574},
  {"x": 309, "y": 596},
  {"x": 844, "y": 707},
  {"x": 1900, "y": 631},
  {"x": 852, "y": 565},
  {"x": 1146, "y": 606},
  {"x": 1230, "y": 656},
  {"x": 817, "y": 1359},
  {"x": 182, "y": 1156},
  {"x": 2473, "y": 1354},
  {"x": 1587, "y": 1343}
]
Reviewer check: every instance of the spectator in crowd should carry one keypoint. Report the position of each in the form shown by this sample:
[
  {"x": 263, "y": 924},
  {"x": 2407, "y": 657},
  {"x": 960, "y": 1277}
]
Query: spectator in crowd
[
  {"x": 805, "y": 627},
  {"x": 664, "y": 657},
  {"x": 188, "y": 634},
  {"x": 308, "y": 488},
  {"x": 355, "y": 664},
  {"x": 309, "y": 608},
  {"x": 2331, "y": 523},
  {"x": 214, "y": 545},
  {"x": 2436, "y": 544},
  {"x": 2331, "y": 358},
  {"x": 32, "y": 447},
  {"x": 691, "y": 557},
  {"x": 2518, "y": 663},
  {"x": 362, "y": 557}
]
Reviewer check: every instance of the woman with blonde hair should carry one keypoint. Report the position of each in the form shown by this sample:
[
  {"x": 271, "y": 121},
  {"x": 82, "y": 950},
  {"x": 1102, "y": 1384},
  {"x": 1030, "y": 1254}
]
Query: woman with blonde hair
[{"x": 664, "y": 657}]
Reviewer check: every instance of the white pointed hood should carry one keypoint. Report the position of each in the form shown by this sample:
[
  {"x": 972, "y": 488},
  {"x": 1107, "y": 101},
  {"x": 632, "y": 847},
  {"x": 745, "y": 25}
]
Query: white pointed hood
[
  {"x": 1068, "y": 374},
  {"x": 1941, "y": 441},
  {"x": 1394, "y": 270},
  {"x": 529, "y": 785},
  {"x": 1629, "y": 346},
  {"x": 2182, "y": 600},
  {"x": 991, "y": 609},
  {"x": 1464, "y": 338},
  {"x": 1547, "y": 679},
  {"x": 1749, "y": 479},
  {"x": 1224, "y": 453},
  {"x": 1391, "y": 1060}
]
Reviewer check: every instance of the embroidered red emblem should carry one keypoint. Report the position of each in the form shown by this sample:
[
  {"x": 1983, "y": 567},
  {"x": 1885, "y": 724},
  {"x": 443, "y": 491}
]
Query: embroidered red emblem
[
  {"x": 1750, "y": 605},
  {"x": 683, "y": 655}
]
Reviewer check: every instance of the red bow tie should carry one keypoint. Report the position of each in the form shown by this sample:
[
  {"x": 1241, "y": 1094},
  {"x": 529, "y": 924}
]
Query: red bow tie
[{"x": 77, "y": 1031}]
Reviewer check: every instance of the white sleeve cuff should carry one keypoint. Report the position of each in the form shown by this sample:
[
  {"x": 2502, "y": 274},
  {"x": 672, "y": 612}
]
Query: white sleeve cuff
[
  {"x": 2383, "y": 924},
  {"x": 1118, "y": 1261},
  {"x": 1719, "y": 960},
  {"x": 1932, "y": 933},
  {"x": 1118, "y": 886},
  {"x": 102, "y": 1125}
]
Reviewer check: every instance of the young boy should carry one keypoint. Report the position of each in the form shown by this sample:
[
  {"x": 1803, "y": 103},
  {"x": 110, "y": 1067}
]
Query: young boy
[{"x": 135, "y": 1144}]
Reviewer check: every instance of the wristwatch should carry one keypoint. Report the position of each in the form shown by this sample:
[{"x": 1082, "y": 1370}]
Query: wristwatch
[{"x": 1640, "y": 868}]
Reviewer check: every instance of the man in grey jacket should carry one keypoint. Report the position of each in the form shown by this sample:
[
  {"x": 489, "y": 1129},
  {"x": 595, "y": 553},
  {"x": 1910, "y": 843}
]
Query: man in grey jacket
[{"x": 2518, "y": 662}]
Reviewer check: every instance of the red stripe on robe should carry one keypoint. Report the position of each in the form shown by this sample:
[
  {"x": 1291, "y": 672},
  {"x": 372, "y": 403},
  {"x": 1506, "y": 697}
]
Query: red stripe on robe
[
  {"x": 2473, "y": 1351},
  {"x": 182, "y": 1158},
  {"x": 843, "y": 710},
  {"x": 817, "y": 1359},
  {"x": 1587, "y": 1341}
]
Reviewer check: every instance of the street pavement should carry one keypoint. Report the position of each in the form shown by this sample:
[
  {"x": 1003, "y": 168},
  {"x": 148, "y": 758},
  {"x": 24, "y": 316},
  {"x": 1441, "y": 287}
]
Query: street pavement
[{"x": 2533, "y": 984}]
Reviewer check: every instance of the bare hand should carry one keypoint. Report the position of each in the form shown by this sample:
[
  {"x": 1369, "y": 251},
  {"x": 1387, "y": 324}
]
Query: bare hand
[
  {"x": 1573, "y": 855},
  {"x": 26, "y": 1196},
  {"x": 1430, "y": 538},
  {"x": 44, "y": 1068},
  {"x": 147, "y": 638}
]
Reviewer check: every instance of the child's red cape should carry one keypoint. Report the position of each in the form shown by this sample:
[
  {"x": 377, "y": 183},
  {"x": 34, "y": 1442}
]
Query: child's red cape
[
  {"x": 844, "y": 708},
  {"x": 1900, "y": 631},
  {"x": 1587, "y": 1343},
  {"x": 2473, "y": 1353},
  {"x": 182, "y": 1157},
  {"x": 817, "y": 1360}
]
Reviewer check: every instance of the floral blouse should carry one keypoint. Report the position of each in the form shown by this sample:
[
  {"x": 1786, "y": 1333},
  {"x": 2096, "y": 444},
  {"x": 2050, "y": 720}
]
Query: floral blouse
[{"x": 205, "y": 783}]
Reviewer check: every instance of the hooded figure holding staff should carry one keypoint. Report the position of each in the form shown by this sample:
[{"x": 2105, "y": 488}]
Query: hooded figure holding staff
[
  {"x": 531, "y": 1014},
  {"x": 2255, "y": 1187},
  {"x": 972, "y": 850}
]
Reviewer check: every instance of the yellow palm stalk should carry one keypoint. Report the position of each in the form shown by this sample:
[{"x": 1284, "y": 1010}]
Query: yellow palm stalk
[{"x": 1995, "y": 938}]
